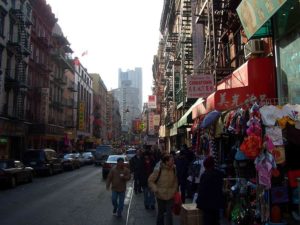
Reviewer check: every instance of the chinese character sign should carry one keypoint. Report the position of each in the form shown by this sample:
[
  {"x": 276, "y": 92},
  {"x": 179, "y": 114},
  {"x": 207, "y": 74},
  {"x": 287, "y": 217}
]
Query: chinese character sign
[
  {"x": 152, "y": 101},
  {"x": 199, "y": 86},
  {"x": 151, "y": 123},
  {"x": 81, "y": 116}
]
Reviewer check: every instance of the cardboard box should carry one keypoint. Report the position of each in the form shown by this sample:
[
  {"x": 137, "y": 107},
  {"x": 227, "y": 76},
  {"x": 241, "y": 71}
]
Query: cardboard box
[{"x": 190, "y": 215}]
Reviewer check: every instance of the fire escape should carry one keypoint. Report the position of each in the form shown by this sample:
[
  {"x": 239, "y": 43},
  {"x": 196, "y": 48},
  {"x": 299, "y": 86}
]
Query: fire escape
[
  {"x": 219, "y": 19},
  {"x": 18, "y": 44},
  {"x": 184, "y": 54}
]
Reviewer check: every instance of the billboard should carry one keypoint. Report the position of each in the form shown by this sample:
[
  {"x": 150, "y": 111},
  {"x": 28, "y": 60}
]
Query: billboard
[{"x": 152, "y": 101}]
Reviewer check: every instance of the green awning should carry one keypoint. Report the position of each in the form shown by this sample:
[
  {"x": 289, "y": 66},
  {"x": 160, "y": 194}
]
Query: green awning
[
  {"x": 186, "y": 119},
  {"x": 254, "y": 14},
  {"x": 173, "y": 130}
]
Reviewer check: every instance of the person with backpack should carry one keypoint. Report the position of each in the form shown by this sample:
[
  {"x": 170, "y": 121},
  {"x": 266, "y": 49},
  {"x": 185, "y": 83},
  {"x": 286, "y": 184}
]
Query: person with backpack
[{"x": 163, "y": 182}]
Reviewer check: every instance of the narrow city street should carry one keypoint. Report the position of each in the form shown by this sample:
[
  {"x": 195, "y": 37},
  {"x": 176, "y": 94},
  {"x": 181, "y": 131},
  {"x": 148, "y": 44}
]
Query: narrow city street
[{"x": 75, "y": 197}]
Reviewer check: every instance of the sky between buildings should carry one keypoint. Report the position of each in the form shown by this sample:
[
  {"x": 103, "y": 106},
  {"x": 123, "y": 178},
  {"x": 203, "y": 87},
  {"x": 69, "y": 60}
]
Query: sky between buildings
[{"x": 115, "y": 33}]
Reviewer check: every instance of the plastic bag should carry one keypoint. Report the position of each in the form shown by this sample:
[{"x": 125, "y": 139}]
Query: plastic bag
[{"x": 177, "y": 203}]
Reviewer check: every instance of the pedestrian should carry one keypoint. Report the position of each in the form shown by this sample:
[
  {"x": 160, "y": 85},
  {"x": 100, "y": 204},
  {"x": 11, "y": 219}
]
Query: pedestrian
[
  {"x": 182, "y": 168},
  {"x": 117, "y": 179},
  {"x": 163, "y": 182},
  {"x": 136, "y": 165},
  {"x": 147, "y": 169},
  {"x": 210, "y": 194}
]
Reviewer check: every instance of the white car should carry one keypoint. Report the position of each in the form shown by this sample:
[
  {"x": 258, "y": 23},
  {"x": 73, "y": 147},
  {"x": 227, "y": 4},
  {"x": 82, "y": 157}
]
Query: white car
[{"x": 130, "y": 153}]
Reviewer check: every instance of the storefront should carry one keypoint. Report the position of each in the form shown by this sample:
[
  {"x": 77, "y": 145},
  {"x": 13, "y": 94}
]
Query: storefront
[
  {"x": 12, "y": 138},
  {"x": 287, "y": 43}
]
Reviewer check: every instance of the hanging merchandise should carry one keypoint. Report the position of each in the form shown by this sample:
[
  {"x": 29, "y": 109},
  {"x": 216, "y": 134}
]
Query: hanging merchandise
[
  {"x": 269, "y": 114},
  {"x": 279, "y": 154},
  {"x": 275, "y": 133},
  {"x": 210, "y": 118},
  {"x": 264, "y": 164},
  {"x": 251, "y": 146}
]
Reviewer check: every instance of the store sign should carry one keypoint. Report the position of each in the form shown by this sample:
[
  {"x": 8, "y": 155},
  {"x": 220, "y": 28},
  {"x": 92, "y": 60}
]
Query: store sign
[
  {"x": 199, "y": 86},
  {"x": 44, "y": 104},
  {"x": 152, "y": 101},
  {"x": 233, "y": 98},
  {"x": 156, "y": 120},
  {"x": 151, "y": 129},
  {"x": 81, "y": 116},
  {"x": 254, "y": 14}
]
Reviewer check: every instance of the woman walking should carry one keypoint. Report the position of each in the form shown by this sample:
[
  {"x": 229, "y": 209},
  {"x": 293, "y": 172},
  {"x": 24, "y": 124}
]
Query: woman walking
[{"x": 163, "y": 182}]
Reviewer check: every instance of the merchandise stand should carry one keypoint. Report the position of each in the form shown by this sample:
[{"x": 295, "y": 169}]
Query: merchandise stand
[{"x": 254, "y": 151}]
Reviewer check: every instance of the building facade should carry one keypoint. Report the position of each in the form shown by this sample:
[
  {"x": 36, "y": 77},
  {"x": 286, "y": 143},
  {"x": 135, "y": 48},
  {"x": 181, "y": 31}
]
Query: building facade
[{"x": 100, "y": 101}]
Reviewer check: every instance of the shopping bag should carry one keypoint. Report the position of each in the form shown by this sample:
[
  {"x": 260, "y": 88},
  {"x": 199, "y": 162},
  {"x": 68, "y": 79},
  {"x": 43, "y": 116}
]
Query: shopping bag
[{"x": 177, "y": 203}]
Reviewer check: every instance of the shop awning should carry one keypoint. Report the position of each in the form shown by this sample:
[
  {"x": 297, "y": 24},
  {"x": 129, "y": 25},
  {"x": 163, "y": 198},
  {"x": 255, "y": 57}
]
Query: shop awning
[
  {"x": 254, "y": 14},
  {"x": 186, "y": 119},
  {"x": 173, "y": 130},
  {"x": 253, "y": 81}
]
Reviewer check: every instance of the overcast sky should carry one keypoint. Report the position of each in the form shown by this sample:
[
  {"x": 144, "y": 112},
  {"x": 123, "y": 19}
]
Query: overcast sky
[{"x": 116, "y": 33}]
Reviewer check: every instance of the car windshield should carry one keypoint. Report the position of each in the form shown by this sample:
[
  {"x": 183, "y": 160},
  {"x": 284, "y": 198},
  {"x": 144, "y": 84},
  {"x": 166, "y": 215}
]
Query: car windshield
[
  {"x": 33, "y": 155},
  {"x": 68, "y": 156},
  {"x": 131, "y": 151},
  {"x": 114, "y": 158},
  {"x": 87, "y": 154}
]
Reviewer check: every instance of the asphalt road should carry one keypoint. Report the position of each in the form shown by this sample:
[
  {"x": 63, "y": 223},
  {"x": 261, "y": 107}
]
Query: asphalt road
[{"x": 75, "y": 197}]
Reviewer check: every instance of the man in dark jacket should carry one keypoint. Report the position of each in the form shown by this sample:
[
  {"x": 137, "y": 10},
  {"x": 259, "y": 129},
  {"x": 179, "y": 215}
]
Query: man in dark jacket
[
  {"x": 182, "y": 167},
  {"x": 136, "y": 166},
  {"x": 210, "y": 195}
]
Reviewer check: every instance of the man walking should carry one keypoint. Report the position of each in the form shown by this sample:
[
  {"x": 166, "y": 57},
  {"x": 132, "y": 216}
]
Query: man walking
[{"x": 117, "y": 179}]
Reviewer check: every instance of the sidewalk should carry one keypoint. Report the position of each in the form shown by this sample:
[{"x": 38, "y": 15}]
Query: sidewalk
[{"x": 138, "y": 215}]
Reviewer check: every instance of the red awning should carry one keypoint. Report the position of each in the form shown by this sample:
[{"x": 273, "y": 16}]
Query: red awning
[{"x": 253, "y": 80}]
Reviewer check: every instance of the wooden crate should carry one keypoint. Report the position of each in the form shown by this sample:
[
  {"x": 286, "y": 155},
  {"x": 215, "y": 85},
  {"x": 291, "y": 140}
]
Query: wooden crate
[{"x": 190, "y": 215}]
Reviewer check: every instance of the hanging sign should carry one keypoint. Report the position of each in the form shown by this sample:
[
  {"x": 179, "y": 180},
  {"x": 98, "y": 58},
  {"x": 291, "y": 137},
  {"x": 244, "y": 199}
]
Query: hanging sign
[
  {"x": 254, "y": 14},
  {"x": 199, "y": 86},
  {"x": 152, "y": 101}
]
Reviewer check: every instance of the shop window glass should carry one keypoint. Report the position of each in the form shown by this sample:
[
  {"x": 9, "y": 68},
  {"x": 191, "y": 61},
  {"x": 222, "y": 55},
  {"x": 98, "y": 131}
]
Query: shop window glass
[{"x": 289, "y": 67}]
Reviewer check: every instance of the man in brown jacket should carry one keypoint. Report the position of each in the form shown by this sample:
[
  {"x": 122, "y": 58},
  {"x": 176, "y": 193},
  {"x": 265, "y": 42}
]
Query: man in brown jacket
[
  {"x": 163, "y": 182},
  {"x": 117, "y": 179}
]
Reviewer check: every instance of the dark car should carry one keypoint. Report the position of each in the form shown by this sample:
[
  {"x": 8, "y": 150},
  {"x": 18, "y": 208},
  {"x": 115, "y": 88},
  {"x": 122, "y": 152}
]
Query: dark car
[
  {"x": 111, "y": 162},
  {"x": 43, "y": 160},
  {"x": 102, "y": 152},
  {"x": 13, "y": 172},
  {"x": 70, "y": 161}
]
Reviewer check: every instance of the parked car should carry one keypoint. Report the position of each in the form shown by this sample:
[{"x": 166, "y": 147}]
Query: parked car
[
  {"x": 101, "y": 154},
  {"x": 43, "y": 160},
  {"x": 112, "y": 161},
  {"x": 88, "y": 158},
  {"x": 130, "y": 153},
  {"x": 13, "y": 172},
  {"x": 80, "y": 158},
  {"x": 70, "y": 161}
]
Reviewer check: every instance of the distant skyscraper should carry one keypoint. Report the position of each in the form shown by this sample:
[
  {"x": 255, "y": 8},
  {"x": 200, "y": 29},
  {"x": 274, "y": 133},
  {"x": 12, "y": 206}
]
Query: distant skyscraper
[
  {"x": 136, "y": 78},
  {"x": 129, "y": 95}
]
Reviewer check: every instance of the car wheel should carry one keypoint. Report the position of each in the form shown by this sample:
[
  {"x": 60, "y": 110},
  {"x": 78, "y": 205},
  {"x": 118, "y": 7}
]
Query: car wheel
[
  {"x": 30, "y": 177},
  {"x": 13, "y": 182},
  {"x": 50, "y": 171}
]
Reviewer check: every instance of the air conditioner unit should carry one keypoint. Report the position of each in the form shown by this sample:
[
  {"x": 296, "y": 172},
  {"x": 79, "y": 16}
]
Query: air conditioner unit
[{"x": 253, "y": 47}]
